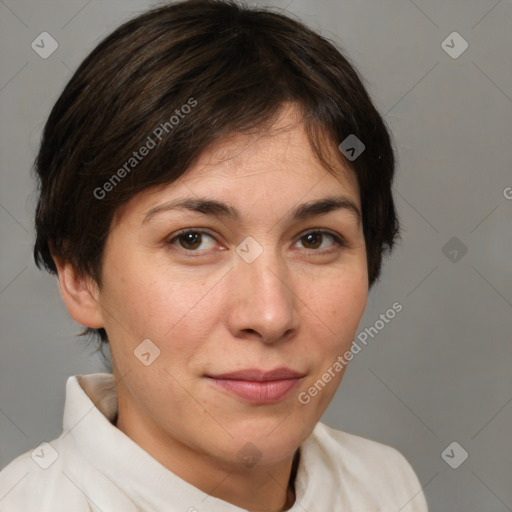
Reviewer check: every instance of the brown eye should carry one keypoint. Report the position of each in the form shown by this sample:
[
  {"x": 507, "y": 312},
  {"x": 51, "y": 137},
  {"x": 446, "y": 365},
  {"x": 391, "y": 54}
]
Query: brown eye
[
  {"x": 314, "y": 239},
  {"x": 190, "y": 240}
]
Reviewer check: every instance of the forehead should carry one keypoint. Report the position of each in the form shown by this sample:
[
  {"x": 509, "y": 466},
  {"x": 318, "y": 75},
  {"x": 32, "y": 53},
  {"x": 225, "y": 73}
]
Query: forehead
[
  {"x": 268, "y": 149},
  {"x": 275, "y": 167}
]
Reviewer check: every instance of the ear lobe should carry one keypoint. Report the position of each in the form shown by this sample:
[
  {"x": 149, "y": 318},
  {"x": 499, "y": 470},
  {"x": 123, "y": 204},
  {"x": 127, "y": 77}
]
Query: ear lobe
[{"x": 80, "y": 294}]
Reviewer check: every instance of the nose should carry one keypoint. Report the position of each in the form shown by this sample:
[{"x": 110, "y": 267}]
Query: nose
[{"x": 264, "y": 305}]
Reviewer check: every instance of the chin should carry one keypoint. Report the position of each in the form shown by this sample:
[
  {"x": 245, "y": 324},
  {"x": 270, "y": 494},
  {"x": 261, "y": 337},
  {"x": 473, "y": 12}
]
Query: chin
[{"x": 269, "y": 441}]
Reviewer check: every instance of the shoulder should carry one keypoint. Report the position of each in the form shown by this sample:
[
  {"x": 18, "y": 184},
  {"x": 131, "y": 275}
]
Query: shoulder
[
  {"x": 371, "y": 467},
  {"x": 56, "y": 477},
  {"x": 29, "y": 482}
]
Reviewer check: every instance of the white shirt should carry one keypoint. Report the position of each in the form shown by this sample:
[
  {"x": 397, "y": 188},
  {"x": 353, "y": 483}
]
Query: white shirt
[{"x": 93, "y": 466}]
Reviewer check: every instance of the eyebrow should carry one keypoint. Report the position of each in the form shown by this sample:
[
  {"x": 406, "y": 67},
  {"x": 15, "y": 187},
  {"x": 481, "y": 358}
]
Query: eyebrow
[{"x": 219, "y": 209}]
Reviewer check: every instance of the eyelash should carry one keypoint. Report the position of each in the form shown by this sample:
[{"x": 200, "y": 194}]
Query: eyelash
[{"x": 339, "y": 241}]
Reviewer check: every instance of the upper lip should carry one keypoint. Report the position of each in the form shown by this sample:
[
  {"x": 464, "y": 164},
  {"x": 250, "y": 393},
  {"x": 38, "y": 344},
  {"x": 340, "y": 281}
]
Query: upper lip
[{"x": 254, "y": 374}]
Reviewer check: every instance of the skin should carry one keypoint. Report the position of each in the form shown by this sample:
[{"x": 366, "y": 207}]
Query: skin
[{"x": 297, "y": 305}]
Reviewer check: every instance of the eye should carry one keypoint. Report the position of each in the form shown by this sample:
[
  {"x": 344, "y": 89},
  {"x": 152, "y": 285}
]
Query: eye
[
  {"x": 315, "y": 239},
  {"x": 191, "y": 239}
]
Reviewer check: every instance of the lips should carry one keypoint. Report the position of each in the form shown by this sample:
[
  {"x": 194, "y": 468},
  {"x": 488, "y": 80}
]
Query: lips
[{"x": 258, "y": 386}]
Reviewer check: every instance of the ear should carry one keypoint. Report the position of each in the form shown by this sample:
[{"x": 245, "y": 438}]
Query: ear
[{"x": 80, "y": 294}]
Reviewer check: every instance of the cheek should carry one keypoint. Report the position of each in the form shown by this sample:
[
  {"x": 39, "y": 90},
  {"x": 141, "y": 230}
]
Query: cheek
[
  {"x": 169, "y": 308},
  {"x": 339, "y": 302},
  {"x": 175, "y": 321},
  {"x": 340, "y": 307}
]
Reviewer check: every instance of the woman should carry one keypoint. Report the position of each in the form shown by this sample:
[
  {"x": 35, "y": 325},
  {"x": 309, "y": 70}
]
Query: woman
[{"x": 215, "y": 199}]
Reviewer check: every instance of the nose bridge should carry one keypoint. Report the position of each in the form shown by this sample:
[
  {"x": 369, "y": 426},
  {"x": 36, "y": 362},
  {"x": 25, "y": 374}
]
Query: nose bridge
[
  {"x": 265, "y": 301},
  {"x": 267, "y": 274}
]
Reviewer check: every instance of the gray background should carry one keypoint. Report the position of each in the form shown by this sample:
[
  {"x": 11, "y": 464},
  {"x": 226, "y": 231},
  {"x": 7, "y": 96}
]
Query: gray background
[{"x": 440, "y": 371}]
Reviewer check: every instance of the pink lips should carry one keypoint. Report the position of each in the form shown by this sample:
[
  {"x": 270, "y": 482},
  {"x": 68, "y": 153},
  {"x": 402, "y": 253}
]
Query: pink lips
[{"x": 257, "y": 386}]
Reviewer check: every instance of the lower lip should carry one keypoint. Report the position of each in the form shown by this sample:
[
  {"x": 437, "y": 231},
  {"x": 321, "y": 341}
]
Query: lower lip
[{"x": 258, "y": 392}]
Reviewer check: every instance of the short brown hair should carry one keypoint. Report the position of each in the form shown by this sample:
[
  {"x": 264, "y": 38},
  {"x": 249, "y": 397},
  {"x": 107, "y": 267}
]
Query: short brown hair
[{"x": 234, "y": 67}]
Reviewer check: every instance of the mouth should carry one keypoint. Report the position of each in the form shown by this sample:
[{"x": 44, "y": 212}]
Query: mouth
[{"x": 258, "y": 386}]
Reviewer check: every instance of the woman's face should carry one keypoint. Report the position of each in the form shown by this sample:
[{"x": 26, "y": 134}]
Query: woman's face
[{"x": 250, "y": 293}]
